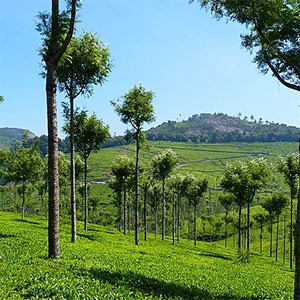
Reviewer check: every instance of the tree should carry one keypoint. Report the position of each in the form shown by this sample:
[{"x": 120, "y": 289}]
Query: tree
[
  {"x": 116, "y": 186},
  {"x": 135, "y": 108},
  {"x": 226, "y": 201},
  {"x": 84, "y": 64},
  {"x": 162, "y": 165},
  {"x": 122, "y": 168},
  {"x": 243, "y": 179},
  {"x": 145, "y": 184},
  {"x": 274, "y": 206},
  {"x": 89, "y": 134},
  {"x": 155, "y": 195},
  {"x": 274, "y": 35},
  {"x": 194, "y": 194},
  {"x": 24, "y": 167},
  {"x": 289, "y": 167},
  {"x": 261, "y": 219},
  {"x": 57, "y": 30}
]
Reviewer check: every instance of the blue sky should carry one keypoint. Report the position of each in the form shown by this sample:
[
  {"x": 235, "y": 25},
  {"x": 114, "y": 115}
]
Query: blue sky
[{"x": 192, "y": 62}]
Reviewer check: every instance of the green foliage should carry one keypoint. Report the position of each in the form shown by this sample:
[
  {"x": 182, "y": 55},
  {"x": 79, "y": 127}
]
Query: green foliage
[
  {"x": 273, "y": 33},
  {"x": 164, "y": 163},
  {"x": 85, "y": 63},
  {"x": 196, "y": 190},
  {"x": 89, "y": 132},
  {"x": 289, "y": 167},
  {"x": 24, "y": 164},
  {"x": 275, "y": 204},
  {"x": 1, "y": 99},
  {"x": 135, "y": 108},
  {"x": 123, "y": 167},
  {"x": 244, "y": 178},
  {"x": 227, "y": 200}
]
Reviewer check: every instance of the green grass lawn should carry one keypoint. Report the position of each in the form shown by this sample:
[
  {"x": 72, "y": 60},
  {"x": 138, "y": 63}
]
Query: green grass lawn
[{"x": 104, "y": 264}]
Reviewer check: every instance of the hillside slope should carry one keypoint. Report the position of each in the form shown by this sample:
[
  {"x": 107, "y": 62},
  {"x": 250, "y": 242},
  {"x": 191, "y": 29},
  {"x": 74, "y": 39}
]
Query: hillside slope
[
  {"x": 105, "y": 264},
  {"x": 221, "y": 128},
  {"x": 9, "y": 136}
]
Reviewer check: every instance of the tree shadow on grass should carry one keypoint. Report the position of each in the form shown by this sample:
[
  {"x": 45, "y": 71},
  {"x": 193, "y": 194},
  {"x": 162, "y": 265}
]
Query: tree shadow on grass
[
  {"x": 214, "y": 255},
  {"x": 89, "y": 237},
  {"x": 6, "y": 236},
  {"x": 26, "y": 221},
  {"x": 155, "y": 287}
]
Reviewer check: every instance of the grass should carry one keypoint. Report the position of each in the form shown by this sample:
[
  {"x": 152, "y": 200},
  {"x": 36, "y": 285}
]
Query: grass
[{"x": 104, "y": 264}]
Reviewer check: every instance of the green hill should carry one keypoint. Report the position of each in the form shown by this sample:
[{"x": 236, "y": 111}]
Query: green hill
[
  {"x": 105, "y": 264},
  {"x": 9, "y": 136},
  {"x": 221, "y": 128}
]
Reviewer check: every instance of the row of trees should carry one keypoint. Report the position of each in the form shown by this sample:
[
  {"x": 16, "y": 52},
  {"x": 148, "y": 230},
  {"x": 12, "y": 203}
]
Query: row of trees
[{"x": 241, "y": 182}]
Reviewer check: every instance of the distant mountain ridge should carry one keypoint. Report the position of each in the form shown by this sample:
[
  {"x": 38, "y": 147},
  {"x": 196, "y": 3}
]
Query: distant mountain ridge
[
  {"x": 9, "y": 136},
  {"x": 222, "y": 128},
  {"x": 210, "y": 128}
]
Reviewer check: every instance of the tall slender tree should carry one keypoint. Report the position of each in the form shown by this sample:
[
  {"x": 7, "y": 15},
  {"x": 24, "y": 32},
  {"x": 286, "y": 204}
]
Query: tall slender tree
[
  {"x": 135, "y": 108},
  {"x": 155, "y": 195},
  {"x": 261, "y": 219},
  {"x": 243, "y": 179},
  {"x": 194, "y": 194},
  {"x": 274, "y": 206},
  {"x": 162, "y": 165},
  {"x": 122, "y": 168},
  {"x": 85, "y": 63},
  {"x": 226, "y": 201},
  {"x": 57, "y": 30},
  {"x": 89, "y": 134},
  {"x": 24, "y": 167},
  {"x": 289, "y": 167}
]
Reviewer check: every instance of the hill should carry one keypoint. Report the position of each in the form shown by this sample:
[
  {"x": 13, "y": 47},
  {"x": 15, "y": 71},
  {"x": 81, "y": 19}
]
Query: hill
[
  {"x": 9, "y": 136},
  {"x": 105, "y": 264},
  {"x": 221, "y": 128}
]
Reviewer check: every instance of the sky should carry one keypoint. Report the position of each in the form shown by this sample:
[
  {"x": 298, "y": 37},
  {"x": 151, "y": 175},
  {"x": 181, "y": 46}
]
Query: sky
[{"x": 192, "y": 62}]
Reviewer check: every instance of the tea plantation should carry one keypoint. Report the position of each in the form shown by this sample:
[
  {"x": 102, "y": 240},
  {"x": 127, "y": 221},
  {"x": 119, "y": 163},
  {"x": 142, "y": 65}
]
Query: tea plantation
[{"x": 105, "y": 264}]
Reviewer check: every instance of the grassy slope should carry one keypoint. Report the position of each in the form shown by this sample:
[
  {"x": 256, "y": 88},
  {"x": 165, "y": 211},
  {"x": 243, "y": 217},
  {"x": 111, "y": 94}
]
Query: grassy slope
[
  {"x": 199, "y": 159},
  {"x": 104, "y": 264}
]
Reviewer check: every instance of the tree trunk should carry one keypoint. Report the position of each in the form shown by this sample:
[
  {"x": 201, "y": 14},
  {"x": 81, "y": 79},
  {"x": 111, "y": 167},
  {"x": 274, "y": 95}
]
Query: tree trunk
[
  {"x": 53, "y": 191},
  {"x": 248, "y": 227},
  {"x": 119, "y": 211},
  {"x": 297, "y": 241},
  {"x": 271, "y": 239},
  {"x": 284, "y": 237},
  {"x": 240, "y": 229},
  {"x": 195, "y": 224},
  {"x": 291, "y": 234},
  {"x": 86, "y": 205},
  {"x": 261, "y": 237},
  {"x": 72, "y": 171},
  {"x": 124, "y": 208},
  {"x": 163, "y": 211},
  {"x": 155, "y": 216},
  {"x": 277, "y": 232},
  {"x": 189, "y": 221},
  {"x": 145, "y": 212},
  {"x": 23, "y": 200},
  {"x": 178, "y": 217},
  {"x": 128, "y": 216},
  {"x": 226, "y": 227},
  {"x": 173, "y": 220},
  {"x": 136, "y": 203}
]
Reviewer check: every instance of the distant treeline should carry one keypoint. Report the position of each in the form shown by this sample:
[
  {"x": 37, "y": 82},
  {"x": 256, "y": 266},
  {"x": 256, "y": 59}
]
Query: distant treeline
[
  {"x": 209, "y": 128},
  {"x": 221, "y": 128}
]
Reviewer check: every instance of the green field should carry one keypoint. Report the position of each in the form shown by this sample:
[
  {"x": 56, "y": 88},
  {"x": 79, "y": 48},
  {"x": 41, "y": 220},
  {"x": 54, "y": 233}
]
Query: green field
[
  {"x": 104, "y": 264},
  {"x": 200, "y": 159}
]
